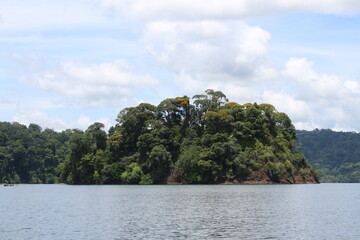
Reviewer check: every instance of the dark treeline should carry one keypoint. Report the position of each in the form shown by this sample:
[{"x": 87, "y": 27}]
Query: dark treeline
[
  {"x": 209, "y": 141},
  {"x": 30, "y": 154},
  {"x": 335, "y": 155}
]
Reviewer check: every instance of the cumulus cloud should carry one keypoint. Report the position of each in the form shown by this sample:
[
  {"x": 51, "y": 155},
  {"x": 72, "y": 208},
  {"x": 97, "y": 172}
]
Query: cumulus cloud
[
  {"x": 57, "y": 123},
  {"x": 233, "y": 57},
  {"x": 223, "y": 9},
  {"x": 317, "y": 100},
  {"x": 105, "y": 84},
  {"x": 203, "y": 43},
  {"x": 335, "y": 114},
  {"x": 297, "y": 108},
  {"x": 314, "y": 86},
  {"x": 205, "y": 52}
]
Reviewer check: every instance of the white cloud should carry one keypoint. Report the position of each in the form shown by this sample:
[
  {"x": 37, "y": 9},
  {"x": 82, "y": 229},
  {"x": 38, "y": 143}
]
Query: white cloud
[
  {"x": 307, "y": 125},
  {"x": 311, "y": 99},
  {"x": 298, "y": 109},
  {"x": 313, "y": 86},
  {"x": 233, "y": 57},
  {"x": 319, "y": 100},
  {"x": 352, "y": 87},
  {"x": 203, "y": 43},
  {"x": 223, "y": 9},
  {"x": 105, "y": 84},
  {"x": 203, "y": 53},
  {"x": 34, "y": 116},
  {"x": 58, "y": 124},
  {"x": 322, "y": 113},
  {"x": 36, "y": 14}
]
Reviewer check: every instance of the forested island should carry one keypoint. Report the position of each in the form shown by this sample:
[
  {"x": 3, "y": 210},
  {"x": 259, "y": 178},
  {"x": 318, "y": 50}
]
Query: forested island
[{"x": 210, "y": 140}]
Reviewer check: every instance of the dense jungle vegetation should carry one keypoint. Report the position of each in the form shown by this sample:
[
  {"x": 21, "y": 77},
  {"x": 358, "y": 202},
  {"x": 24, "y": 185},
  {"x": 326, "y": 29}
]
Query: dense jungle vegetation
[
  {"x": 210, "y": 140},
  {"x": 335, "y": 155}
]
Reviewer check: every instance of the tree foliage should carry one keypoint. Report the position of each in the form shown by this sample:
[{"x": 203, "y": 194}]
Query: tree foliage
[
  {"x": 335, "y": 155},
  {"x": 30, "y": 154},
  {"x": 210, "y": 141}
]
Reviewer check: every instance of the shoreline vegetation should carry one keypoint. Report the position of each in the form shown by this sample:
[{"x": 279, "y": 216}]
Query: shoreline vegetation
[{"x": 208, "y": 141}]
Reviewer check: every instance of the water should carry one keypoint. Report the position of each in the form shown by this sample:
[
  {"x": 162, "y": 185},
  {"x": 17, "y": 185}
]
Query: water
[{"x": 325, "y": 211}]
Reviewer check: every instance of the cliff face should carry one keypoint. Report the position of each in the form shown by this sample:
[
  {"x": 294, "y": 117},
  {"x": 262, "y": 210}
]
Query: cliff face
[
  {"x": 306, "y": 177},
  {"x": 303, "y": 176}
]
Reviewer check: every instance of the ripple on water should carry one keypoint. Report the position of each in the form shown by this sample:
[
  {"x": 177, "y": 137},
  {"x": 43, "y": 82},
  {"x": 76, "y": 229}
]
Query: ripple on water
[{"x": 325, "y": 211}]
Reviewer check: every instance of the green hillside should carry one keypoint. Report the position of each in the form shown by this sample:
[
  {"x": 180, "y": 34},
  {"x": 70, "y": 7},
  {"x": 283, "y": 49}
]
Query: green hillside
[{"x": 334, "y": 155}]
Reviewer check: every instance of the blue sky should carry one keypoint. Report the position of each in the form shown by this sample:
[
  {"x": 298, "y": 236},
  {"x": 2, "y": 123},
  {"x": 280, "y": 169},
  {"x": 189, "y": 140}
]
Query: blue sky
[{"x": 66, "y": 64}]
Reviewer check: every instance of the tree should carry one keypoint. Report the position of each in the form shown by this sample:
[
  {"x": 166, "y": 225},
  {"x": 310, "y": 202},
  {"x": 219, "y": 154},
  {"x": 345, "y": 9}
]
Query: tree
[
  {"x": 210, "y": 101},
  {"x": 158, "y": 163},
  {"x": 98, "y": 135},
  {"x": 131, "y": 123},
  {"x": 175, "y": 111}
]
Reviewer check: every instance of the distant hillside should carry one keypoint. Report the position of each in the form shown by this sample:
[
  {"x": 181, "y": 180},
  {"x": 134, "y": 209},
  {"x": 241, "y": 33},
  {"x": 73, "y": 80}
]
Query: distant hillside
[{"x": 334, "y": 155}]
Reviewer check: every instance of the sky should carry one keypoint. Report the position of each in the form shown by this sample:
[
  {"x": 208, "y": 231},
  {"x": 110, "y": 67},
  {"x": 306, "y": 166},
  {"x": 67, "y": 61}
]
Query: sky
[{"x": 66, "y": 64}]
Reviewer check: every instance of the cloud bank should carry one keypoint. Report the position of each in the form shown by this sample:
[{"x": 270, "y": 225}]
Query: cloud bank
[
  {"x": 196, "y": 45},
  {"x": 56, "y": 123},
  {"x": 98, "y": 85},
  {"x": 223, "y": 9},
  {"x": 202, "y": 53},
  {"x": 320, "y": 99}
]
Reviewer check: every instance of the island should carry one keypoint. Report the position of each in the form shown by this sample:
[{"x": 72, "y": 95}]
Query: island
[{"x": 200, "y": 140}]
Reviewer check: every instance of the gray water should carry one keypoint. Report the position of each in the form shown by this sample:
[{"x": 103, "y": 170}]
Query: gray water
[{"x": 325, "y": 211}]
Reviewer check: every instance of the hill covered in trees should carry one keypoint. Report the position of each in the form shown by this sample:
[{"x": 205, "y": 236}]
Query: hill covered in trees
[
  {"x": 334, "y": 155},
  {"x": 209, "y": 141},
  {"x": 30, "y": 154}
]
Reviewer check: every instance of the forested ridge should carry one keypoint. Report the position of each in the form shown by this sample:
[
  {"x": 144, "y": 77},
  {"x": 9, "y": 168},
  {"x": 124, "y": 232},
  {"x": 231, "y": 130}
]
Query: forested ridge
[
  {"x": 335, "y": 155},
  {"x": 210, "y": 140},
  {"x": 30, "y": 154}
]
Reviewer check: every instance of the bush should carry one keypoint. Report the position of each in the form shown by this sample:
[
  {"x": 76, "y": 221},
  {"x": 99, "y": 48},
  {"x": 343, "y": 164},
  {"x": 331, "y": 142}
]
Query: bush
[
  {"x": 132, "y": 174},
  {"x": 275, "y": 170}
]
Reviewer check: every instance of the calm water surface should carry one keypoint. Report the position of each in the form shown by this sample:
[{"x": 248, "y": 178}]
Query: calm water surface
[{"x": 325, "y": 211}]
